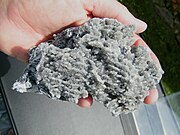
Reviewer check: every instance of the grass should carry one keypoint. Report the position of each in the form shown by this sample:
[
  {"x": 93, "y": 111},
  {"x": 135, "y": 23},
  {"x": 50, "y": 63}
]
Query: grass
[{"x": 161, "y": 39}]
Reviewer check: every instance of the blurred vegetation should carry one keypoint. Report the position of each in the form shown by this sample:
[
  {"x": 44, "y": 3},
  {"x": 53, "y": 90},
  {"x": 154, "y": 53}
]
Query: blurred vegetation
[{"x": 161, "y": 38}]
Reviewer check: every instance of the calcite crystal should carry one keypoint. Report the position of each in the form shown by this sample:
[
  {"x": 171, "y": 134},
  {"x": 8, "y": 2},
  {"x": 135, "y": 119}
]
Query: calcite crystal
[{"x": 97, "y": 59}]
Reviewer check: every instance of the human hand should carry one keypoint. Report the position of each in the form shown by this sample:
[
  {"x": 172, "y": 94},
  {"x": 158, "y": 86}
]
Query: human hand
[{"x": 26, "y": 23}]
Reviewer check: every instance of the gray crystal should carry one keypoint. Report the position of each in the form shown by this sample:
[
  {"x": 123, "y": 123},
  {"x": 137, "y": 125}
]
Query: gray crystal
[{"x": 95, "y": 58}]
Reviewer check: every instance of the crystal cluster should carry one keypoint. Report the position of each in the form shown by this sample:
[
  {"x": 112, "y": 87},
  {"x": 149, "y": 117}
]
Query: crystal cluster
[{"x": 96, "y": 58}]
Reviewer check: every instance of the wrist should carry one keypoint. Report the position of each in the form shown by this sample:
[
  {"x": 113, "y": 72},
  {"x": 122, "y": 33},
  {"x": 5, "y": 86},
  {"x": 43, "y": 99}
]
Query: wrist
[
  {"x": 3, "y": 10},
  {"x": 14, "y": 40}
]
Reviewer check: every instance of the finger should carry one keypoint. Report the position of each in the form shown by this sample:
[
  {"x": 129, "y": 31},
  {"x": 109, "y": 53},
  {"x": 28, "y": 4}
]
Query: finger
[
  {"x": 139, "y": 41},
  {"x": 85, "y": 102},
  {"x": 152, "y": 97},
  {"x": 114, "y": 9}
]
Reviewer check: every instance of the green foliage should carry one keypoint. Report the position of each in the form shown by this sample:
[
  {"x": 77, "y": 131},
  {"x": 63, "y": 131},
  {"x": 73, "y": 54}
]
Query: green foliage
[{"x": 161, "y": 39}]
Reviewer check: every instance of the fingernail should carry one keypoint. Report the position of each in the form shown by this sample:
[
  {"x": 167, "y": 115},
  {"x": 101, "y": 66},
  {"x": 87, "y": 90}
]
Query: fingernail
[
  {"x": 85, "y": 102},
  {"x": 152, "y": 97},
  {"x": 140, "y": 25}
]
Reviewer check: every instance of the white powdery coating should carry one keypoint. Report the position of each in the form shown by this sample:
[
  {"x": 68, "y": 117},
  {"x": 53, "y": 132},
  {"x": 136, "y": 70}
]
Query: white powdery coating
[{"x": 95, "y": 59}]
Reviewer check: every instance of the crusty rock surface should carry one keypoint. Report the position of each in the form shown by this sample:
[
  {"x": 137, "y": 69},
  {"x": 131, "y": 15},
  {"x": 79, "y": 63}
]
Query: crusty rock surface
[{"x": 95, "y": 59}]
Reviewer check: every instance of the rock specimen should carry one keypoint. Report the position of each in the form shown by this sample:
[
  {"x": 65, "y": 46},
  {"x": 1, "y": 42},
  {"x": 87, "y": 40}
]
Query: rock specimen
[{"x": 95, "y": 58}]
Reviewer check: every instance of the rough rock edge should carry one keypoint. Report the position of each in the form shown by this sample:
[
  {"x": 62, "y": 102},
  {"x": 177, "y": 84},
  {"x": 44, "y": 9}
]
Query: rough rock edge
[{"x": 95, "y": 59}]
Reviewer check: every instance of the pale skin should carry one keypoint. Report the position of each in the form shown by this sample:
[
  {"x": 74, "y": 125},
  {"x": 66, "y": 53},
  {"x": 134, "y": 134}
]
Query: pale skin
[{"x": 26, "y": 23}]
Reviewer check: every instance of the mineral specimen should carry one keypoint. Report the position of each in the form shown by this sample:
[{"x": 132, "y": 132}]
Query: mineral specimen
[{"x": 96, "y": 58}]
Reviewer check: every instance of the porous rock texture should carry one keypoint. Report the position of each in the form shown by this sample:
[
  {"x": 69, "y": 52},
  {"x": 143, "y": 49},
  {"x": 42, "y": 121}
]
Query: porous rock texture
[{"x": 95, "y": 58}]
